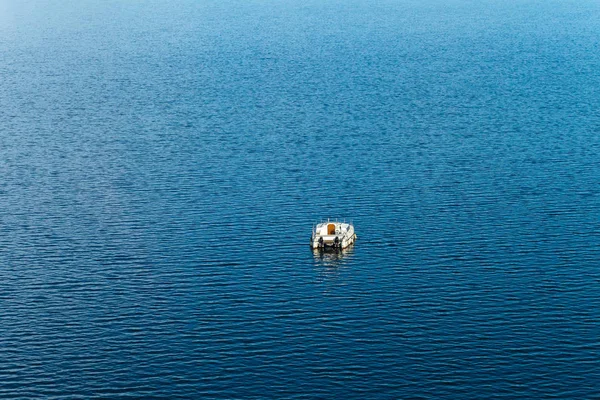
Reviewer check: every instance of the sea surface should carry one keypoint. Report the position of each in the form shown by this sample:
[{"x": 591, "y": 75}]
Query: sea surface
[{"x": 162, "y": 164}]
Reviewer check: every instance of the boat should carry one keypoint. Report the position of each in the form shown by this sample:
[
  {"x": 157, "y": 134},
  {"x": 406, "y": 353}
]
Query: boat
[{"x": 332, "y": 234}]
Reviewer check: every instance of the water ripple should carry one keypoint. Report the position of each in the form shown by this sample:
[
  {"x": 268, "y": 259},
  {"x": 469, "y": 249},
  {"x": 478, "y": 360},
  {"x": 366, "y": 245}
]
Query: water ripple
[{"x": 161, "y": 168}]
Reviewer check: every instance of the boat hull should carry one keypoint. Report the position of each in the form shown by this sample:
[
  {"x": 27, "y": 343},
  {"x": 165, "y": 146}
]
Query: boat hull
[{"x": 333, "y": 235}]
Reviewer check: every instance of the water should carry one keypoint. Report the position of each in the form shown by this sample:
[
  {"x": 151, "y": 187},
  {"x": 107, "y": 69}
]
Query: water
[{"x": 161, "y": 166}]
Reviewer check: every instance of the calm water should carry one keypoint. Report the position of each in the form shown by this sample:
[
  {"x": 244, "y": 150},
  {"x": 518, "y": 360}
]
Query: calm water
[{"x": 161, "y": 165}]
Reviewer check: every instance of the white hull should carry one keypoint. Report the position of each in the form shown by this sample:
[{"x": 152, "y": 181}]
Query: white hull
[{"x": 332, "y": 234}]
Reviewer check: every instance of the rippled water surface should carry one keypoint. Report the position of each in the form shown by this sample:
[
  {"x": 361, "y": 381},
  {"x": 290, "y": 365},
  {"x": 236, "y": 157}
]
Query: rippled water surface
[{"x": 161, "y": 165}]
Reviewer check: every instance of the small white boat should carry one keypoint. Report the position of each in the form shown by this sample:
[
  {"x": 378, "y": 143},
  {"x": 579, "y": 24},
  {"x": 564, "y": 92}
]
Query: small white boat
[{"x": 332, "y": 234}]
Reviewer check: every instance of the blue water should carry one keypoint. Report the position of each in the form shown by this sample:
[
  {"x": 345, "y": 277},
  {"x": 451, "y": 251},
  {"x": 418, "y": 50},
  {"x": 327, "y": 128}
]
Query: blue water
[{"x": 161, "y": 165}]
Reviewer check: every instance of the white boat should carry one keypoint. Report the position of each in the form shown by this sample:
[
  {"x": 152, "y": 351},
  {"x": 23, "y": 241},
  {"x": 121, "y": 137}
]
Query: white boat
[{"x": 332, "y": 234}]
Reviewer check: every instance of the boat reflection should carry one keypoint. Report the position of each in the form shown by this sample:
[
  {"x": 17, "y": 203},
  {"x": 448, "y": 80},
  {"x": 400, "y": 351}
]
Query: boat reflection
[
  {"x": 332, "y": 257},
  {"x": 330, "y": 263}
]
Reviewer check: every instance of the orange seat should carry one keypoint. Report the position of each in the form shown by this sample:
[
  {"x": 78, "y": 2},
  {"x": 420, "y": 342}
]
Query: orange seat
[{"x": 331, "y": 229}]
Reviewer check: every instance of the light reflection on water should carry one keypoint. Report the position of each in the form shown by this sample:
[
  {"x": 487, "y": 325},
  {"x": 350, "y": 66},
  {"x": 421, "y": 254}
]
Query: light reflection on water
[
  {"x": 330, "y": 262},
  {"x": 332, "y": 257}
]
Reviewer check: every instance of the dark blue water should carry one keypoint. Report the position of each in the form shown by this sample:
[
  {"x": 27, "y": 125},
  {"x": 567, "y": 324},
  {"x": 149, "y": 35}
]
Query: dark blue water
[{"x": 161, "y": 165}]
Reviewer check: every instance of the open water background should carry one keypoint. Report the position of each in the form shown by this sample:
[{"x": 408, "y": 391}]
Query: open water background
[{"x": 161, "y": 165}]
